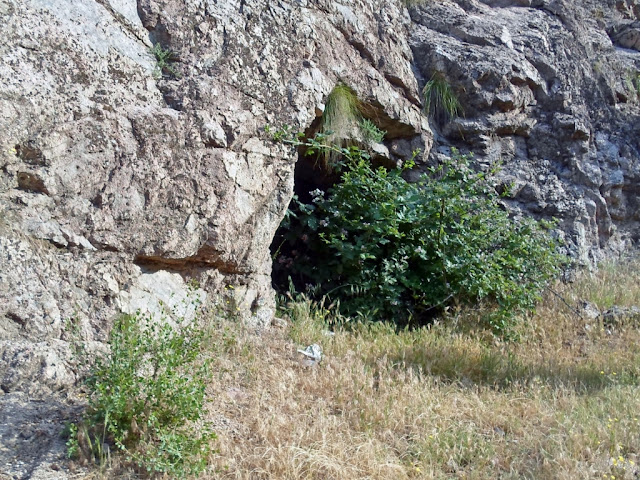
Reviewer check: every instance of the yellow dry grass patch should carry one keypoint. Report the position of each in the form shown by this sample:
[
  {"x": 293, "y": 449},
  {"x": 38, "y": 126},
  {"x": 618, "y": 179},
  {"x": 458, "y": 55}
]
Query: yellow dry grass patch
[
  {"x": 444, "y": 402},
  {"x": 434, "y": 402}
]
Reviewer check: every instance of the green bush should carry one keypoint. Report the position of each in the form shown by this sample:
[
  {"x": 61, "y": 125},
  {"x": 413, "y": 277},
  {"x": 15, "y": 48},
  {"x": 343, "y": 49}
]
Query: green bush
[
  {"x": 400, "y": 251},
  {"x": 147, "y": 397}
]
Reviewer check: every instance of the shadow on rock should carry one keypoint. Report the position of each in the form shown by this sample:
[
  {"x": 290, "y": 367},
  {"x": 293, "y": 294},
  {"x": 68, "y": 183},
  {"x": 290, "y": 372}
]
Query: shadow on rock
[{"x": 31, "y": 445}]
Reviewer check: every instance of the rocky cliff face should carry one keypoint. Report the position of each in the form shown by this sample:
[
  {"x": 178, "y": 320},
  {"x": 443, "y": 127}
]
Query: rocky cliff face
[
  {"x": 122, "y": 179},
  {"x": 126, "y": 175},
  {"x": 550, "y": 91}
]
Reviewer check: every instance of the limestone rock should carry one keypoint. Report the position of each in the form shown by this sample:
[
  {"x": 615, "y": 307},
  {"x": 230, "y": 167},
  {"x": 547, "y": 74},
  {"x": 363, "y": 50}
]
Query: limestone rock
[
  {"x": 128, "y": 184},
  {"x": 617, "y": 315},
  {"x": 30, "y": 442},
  {"x": 549, "y": 97},
  {"x": 123, "y": 181}
]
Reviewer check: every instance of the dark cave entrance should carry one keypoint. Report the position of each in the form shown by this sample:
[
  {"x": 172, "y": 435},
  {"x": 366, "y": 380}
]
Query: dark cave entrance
[
  {"x": 289, "y": 245},
  {"x": 290, "y": 249}
]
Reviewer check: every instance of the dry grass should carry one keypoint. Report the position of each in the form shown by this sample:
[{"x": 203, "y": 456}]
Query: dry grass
[
  {"x": 615, "y": 283},
  {"x": 444, "y": 402},
  {"x": 433, "y": 403}
]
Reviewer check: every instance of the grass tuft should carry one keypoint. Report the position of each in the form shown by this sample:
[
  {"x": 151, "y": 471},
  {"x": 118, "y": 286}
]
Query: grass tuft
[
  {"x": 614, "y": 283},
  {"x": 340, "y": 120},
  {"x": 440, "y": 100},
  {"x": 341, "y": 112},
  {"x": 343, "y": 124}
]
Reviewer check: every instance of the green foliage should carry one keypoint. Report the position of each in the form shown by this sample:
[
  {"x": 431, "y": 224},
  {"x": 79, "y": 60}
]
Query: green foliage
[
  {"x": 341, "y": 111},
  {"x": 164, "y": 59},
  {"x": 340, "y": 117},
  {"x": 70, "y": 432},
  {"x": 83, "y": 441},
  {"x": 440, "y": 101},
  {"x": 399, "y": 251},
  {"x": 633, "y": 83},
  {"x": 371, "y": 132},
  {"x": 343, "y": 123},
  {"x": 147, "y": 397}
]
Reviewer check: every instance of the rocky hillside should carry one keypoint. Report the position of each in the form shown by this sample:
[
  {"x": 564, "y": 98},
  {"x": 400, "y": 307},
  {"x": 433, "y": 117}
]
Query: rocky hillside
[
  {"x": 133, "y": 160},
  {"x": 550, "y": 90},
  {"x": 135, "y": 172},
  {"x": 126, "y": 174}
]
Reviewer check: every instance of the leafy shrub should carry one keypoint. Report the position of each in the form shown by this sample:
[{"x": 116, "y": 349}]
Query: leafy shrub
[
  {"x": 440, "y": 101},
  {"x": 164, "y": 59},
  {"x": 371, "y": 132},
  {"x": 147, "y": 397},
  {"x": 398, "y": 251}
]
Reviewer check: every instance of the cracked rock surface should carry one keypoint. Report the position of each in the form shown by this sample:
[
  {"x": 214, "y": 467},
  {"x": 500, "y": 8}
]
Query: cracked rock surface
[
  {"x": 123, "y": 180},
  {"x": 31, "y": 446},
  {"x": 550, "y": 92},
  {"x": 128, "y": 184},
  {"x": 120, "y": 180}
]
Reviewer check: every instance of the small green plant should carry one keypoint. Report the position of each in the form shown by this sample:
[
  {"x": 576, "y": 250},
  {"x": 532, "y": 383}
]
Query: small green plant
[
  {"x": 77, "y": 346},
  {"x": 399, "y": 251},
  {"x": 87, "y": 444},
  {"x": 70, "y": 432},
  {"x": 371, "y": 132},
  {"x": 147, "y": 398},
  {"x": 440, "y": 101},
  {"x": 164, "y": 59},
  {"x": 598, "y": 66},
  {"x": 340, "y": 119},
  {"x": 632, "y": 81},
  {"x": 341, "y": 112}
]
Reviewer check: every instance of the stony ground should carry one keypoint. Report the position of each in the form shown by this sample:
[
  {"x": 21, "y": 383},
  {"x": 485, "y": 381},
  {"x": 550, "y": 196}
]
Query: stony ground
[{"x": 31, "y": 444}]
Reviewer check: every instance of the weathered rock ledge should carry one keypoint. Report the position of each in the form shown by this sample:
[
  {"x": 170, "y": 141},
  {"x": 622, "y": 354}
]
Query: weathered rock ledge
[{"x": 550, "y": 90}]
